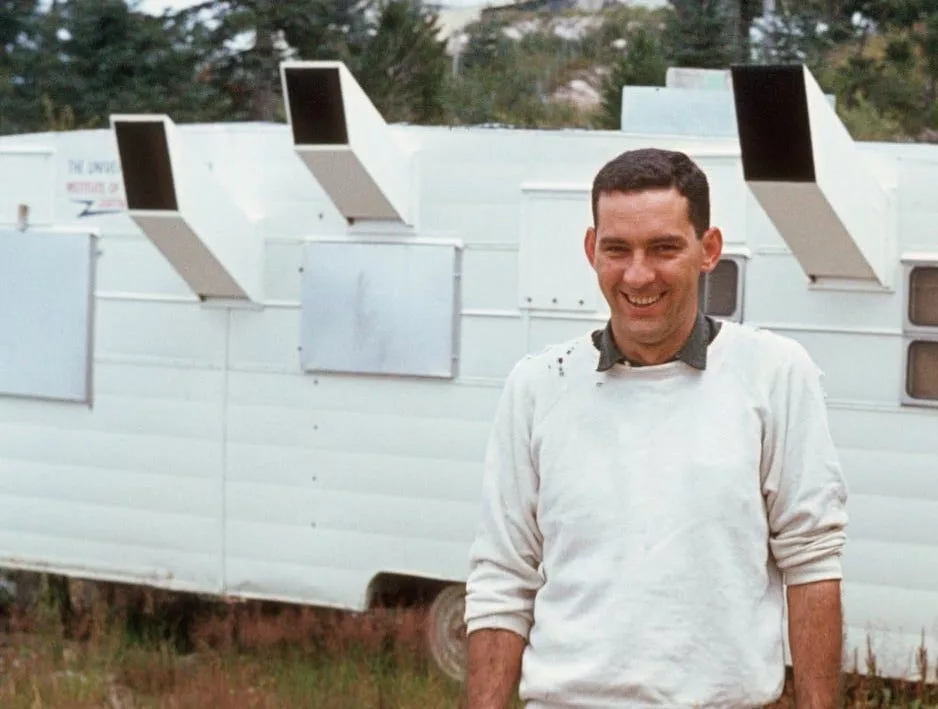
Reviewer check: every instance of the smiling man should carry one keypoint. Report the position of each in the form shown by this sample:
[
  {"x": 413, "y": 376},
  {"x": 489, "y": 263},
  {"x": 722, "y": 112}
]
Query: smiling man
[{"x": 655, "y": 488}]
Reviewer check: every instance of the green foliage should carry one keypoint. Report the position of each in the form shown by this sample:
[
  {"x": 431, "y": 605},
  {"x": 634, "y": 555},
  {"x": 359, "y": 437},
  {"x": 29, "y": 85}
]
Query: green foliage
[
  {"x": 642, "y": 64},
  {"x": 403, "y": 65},
  {"x": 510, "y": 81},
  {"x": 85, "y": 59},
  {"x": 696, "y": 34},
  {"x": 68, "y": 64},
  {"x": 865, "y": 122}
]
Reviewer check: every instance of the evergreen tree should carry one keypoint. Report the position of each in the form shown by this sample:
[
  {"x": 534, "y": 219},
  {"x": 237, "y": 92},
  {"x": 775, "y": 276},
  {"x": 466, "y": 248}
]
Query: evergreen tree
[
  {"x": 86, "y": 59},
  {"x": 641, "y": 65},
  {"x": 18, "y": 26},
  {"x": 402, "y": 65},
  {"x": 697, "y": 35},
  {"x": 249, "y": 38}
]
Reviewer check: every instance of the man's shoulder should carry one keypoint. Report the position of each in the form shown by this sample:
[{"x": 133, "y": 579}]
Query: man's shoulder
[
  {"x": 765, "y": 354},
  {"x": 557, "y": 361}
]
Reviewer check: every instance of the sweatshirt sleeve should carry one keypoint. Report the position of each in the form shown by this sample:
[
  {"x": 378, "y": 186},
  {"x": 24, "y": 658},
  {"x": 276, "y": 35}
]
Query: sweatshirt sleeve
[
  {"x": 505, "y": 556},
  {"x": 803, "y": 484}
]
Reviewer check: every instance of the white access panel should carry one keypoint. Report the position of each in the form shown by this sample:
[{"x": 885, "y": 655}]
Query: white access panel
[
  {"x": 380, "y": 308},
  {"x": 46, "y": 313},
  {"x": 553, "y": 271},
  {"x": 27, "y": 176}
]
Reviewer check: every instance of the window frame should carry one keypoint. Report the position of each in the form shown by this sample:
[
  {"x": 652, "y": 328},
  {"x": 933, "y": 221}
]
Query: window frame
[
  {"x": 911, "y": 332},
  {"x": 739, "y": 258}
]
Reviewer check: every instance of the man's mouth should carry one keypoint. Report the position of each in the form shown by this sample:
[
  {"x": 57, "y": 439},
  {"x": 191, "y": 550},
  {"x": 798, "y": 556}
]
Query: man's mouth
[{"x": 643, "y": 301}]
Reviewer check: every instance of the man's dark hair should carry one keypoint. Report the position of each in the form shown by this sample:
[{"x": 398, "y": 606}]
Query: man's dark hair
[{"x": 653, "y": 168}]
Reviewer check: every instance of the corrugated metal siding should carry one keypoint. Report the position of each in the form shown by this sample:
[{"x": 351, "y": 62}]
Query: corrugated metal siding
[{"x": 210, "y": 461}]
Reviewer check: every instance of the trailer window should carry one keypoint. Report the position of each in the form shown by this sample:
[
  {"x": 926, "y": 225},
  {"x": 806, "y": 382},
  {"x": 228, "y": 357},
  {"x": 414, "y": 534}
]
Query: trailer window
[
  {"x": 923, "y": 296},
  {"x": 922, "y": 370},
  {"x": 718, "y": 290}
]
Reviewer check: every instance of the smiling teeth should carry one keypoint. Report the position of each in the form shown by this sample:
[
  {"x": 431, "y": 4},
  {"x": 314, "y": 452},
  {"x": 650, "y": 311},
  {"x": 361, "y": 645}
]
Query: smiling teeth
[{"x": 644, "y": 301}]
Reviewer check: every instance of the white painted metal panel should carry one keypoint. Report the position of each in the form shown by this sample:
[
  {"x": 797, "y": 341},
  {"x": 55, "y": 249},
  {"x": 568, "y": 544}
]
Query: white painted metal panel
[
  {"x": 554, "y": 273},
  {"x": 425, "y": 397},
  {"x": 848, "y": 378},
  {"x": 128, "y": 491},
  {"x": 778, "y": 294},
  {"x": 46, "y": 314},
  {"x": 407, "y": 476},
  {"x": 380, "y": 308},
  {"x": 886, "y": 428},
  {"x": 266, "y": 340},
  {"x": 479, "y": 223},
  {"x": 490, "y": 279},
  {"x": 916, "y": 189},
  {"x": 490, "y": 346},
  {"x": 152, "y": 274},
  {"x": 656, "y": 110},
  {"x": 337, "y": 431},
  {"x": 283, "y": 267},
  {"x": 159, "y": 331},
  {"x": 27, "y": 177},
  {"x": 891, "y": 473}
]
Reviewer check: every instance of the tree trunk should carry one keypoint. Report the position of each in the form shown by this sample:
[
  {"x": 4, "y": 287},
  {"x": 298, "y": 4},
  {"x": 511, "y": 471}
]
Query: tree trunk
[{"x": 262, "y": 102}]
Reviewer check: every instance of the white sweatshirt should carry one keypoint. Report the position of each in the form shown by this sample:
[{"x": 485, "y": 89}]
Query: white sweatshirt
[{"x": 637, "y": 525}]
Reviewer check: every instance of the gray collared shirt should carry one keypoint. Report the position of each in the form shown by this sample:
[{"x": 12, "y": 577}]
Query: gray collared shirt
[{"x": 694, "y": 351}]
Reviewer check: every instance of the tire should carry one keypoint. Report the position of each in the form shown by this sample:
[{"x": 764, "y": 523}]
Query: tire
[{"x": 446, "y": 632}]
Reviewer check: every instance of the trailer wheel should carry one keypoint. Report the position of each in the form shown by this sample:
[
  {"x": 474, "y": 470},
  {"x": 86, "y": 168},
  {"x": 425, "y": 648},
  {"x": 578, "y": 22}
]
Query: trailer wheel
[{"x": 446, "y": 631}]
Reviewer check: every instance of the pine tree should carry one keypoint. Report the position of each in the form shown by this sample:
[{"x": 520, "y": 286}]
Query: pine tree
[
  {"x": 641, "y": 65},
  {"x": 402, "y": 64},
  {"x": 18, "y": 25},
  {"x": 697, "y": 35},
  {"x": 86, "y": 59}
]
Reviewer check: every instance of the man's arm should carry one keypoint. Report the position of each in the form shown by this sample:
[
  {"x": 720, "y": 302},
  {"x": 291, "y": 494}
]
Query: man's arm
[
  {"x": 815, "y": 635},
  {"x": 504, "y": 560},
  {"x": 806, "y": 496},
  {"x": 494, "y": 668}
]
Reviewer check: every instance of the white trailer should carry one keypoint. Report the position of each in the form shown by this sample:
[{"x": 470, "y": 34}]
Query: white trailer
[{"x": 261, "y": 361}]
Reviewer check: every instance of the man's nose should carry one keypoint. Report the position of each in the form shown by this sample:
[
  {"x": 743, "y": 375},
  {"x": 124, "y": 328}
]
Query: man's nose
[{"x": 638, "y": 273}]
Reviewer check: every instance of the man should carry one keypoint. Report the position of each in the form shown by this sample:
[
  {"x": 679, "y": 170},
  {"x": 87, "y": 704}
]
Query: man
[{"x": 652, "y": 488}]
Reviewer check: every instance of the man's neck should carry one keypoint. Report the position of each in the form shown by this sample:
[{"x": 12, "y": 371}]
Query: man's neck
[{"x": 655, "y": 352}]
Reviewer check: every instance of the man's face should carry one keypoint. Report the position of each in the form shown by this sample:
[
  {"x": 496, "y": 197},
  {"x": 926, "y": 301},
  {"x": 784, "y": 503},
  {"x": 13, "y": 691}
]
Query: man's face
[{"x": 648, "y": 260}]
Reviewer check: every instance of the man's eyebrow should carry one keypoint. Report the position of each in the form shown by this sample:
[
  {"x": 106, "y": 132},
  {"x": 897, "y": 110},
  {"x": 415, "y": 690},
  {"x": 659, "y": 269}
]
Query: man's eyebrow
[{"x": 653, "y": 241}]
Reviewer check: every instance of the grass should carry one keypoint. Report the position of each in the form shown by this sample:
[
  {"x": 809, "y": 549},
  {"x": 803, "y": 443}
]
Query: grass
[
  {"x": 135, "y": 649},
  {"x": 244, "y": 656}
]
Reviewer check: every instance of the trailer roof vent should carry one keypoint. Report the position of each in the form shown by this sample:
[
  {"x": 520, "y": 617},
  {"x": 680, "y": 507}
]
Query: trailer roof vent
[
  {"x": 809, "y": 176},
  {"x": 179, "y": 204},
  {"x": 345, "y": 143}
]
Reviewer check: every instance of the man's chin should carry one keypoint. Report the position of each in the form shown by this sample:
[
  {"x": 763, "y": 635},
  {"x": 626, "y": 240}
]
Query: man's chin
[{"x": 639, "y": 333}]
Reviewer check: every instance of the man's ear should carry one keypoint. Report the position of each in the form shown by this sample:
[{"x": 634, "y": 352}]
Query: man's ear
[
  {"x": 712, "y": 242},
  {"x": 589, "y": 245}
]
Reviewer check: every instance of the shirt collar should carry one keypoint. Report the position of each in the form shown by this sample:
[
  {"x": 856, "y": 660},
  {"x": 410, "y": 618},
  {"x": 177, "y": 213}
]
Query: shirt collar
[{"x": 694, "y": 351}]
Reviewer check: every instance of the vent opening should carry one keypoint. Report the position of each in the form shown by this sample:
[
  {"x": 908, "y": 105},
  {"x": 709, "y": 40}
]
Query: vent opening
[
  {"x": 317, "y": 113},
  {"x": 773, "y": 124},
  {"x": 148, "y": 174}
]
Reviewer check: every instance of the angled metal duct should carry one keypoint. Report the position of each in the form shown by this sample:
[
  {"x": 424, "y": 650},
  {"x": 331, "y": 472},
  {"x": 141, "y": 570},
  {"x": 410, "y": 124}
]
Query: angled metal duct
[
  {"x": 809, "y": 176},
  {"x": 180, "y": 205},
  {"x": 345, "y": 143}
]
